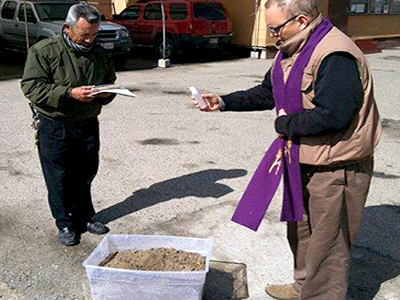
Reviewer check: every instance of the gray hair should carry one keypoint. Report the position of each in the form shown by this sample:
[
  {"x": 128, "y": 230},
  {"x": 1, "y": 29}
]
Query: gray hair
[
  {"x": 296, "y": 7},
  {"x": 82, "y": 10}
]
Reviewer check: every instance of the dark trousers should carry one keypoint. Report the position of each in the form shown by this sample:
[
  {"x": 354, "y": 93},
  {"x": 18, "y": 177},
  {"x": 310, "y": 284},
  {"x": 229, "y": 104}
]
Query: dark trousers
[
  {"x": 334, "y": 204},
  {"x": 69, "y": 156}
]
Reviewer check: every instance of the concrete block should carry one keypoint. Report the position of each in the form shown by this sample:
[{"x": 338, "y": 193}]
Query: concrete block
[
  {"x": 254, "y": 54},
  {"x": 164, "y": 63},
  {"x": 263, "y": 54}
]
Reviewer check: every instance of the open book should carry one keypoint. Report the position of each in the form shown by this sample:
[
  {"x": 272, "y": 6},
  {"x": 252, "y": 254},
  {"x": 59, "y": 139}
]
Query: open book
[{"x": 113, "y": 89}]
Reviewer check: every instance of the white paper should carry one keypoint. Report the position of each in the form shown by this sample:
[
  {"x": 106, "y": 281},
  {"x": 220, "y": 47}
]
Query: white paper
[
  {"x": 119, "y": 91},
  {"x": 113, "y": 89}
]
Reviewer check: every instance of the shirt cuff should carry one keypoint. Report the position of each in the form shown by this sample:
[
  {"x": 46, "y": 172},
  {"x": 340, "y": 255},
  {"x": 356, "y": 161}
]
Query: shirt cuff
[
  {"x": 222, "y": 105},
  {"x": 281, "y": 125}
]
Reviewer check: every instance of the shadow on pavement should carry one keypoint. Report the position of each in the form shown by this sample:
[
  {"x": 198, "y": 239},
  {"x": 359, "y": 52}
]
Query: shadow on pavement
[
  {"x": 375, "y": 257},
  {"x": 143, "y": 57},
  {"x": 12, "y": 63},
  {"x": 201, "y": 184}
]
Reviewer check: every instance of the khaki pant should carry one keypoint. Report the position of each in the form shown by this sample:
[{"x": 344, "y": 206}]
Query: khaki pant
[{"x": 334, "y": 199}]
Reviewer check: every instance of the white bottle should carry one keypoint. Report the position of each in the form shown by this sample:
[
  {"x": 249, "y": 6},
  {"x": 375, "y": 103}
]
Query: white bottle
[{"x": 197, "y": 96}]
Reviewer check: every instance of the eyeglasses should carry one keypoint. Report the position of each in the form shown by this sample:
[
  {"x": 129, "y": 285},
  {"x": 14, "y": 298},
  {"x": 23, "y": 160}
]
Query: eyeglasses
[{"x": 274, "y": 31}]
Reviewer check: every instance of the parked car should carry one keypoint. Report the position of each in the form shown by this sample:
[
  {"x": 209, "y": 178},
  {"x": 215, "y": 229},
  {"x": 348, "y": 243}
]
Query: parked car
[
  {"x": 189, "y": 23},
  {"x": 45, "y": 19}
]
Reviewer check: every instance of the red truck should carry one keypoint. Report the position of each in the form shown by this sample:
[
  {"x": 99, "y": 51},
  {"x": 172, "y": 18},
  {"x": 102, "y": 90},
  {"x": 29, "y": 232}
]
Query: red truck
[{"x": 189, "y": 23}]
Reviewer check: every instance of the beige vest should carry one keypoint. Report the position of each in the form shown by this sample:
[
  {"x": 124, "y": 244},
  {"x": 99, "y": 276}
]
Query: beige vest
[{"x": 355, "y": 143}]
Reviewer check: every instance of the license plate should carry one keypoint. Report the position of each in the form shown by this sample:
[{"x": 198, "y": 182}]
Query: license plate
[
  {"x": 107, "y": 45},
  {"x": 213, "y": 41}
]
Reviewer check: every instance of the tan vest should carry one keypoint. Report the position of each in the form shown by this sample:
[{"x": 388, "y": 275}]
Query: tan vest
[{"x": 355, "y": 143}]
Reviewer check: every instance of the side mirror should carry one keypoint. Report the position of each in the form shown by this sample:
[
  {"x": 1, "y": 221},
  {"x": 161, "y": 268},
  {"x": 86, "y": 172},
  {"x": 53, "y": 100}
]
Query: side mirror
[{"x": 116, "y": 17}]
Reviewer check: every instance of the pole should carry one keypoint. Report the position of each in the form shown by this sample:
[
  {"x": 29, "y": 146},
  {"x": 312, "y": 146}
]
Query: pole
[
  {"x": 113, "y": 8},
  {"x": 163, "y": 26},
  {"x": 163, "y": 62},
  {"x": 258, "y": 17},
  {"x": 26, "y": 27}
]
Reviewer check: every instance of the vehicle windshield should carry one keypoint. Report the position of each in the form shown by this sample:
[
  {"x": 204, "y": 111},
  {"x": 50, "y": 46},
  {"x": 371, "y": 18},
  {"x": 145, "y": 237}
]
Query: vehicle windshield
[
  {"x": 53, "y": 11},
  {"x": 209, "y": 11}
]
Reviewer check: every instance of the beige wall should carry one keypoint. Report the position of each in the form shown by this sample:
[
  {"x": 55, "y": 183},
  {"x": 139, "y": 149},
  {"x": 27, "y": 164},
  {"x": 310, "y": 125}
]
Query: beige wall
[
  {"x": 323, "y": 6},
  {"x": 249, "y": 28},
  {"x": 373, "y": 26},
  {"x": 243, "y": 19},
  {"x": 120, "y": 5},
  {"x": 104, "y": 6}
]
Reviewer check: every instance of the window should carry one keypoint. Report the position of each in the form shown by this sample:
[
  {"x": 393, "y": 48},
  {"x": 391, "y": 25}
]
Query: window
[
  {"x": 209, "y": 11},
  {"x": 9, "y": 9},
  {"x": 359, "y": 6},
  {"x": 375, "y": 7},
  {"x": 178, "y": 11},
  {"x": 379, "y": 7},
  {"x": 132, "y": 13},
  {"x": 153, "y": 12},
  {"x": 29, "y": 14},
  {"x": 395, "y": 7},
  {"x": 53, "y": 11}
]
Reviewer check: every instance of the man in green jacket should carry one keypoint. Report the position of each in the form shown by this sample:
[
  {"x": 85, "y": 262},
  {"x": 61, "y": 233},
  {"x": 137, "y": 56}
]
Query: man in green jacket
[{"x": 59, "y": 79}]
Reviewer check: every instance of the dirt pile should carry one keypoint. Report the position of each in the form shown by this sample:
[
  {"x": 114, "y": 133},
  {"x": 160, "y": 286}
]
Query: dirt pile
[{"x": 157, "y": 259}]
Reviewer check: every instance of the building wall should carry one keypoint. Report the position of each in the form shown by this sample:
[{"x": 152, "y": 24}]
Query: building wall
[
  {"x": 104, "y": 6},
  {"x": 323, "y": 6},
  {"x": 120, "y": 5},
  {"x": 249, "y": 26},
  {"x": 242, "y": 14},
  {"x": 370, "y": 26}
]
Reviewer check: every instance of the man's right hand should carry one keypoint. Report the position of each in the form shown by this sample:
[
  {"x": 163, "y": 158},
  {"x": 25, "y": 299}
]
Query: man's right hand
[
  {"x": 213, "y": 101},
  {"x": 83, "y": 93}
]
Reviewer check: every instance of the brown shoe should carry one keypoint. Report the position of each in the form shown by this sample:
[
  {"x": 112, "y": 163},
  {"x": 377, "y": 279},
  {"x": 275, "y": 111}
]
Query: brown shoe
[{"x": 282, "y": 292}]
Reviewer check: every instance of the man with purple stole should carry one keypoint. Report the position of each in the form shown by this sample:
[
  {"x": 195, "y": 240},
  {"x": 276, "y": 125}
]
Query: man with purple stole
[{"x": 328, "y": 126}]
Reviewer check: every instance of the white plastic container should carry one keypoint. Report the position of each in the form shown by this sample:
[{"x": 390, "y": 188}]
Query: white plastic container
[
  {"x": 197, "y": 96},
  {"x": 121, "y": 284}
]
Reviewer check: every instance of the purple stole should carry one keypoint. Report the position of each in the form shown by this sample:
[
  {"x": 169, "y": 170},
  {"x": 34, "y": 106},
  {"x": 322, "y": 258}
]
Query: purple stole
[{"x": 282, "y": 157}]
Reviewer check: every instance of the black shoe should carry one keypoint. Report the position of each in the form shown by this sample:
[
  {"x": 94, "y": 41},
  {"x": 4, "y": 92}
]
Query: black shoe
[
  {"x": 96, "y": 228},
  {"x": 68, "y": 237}
]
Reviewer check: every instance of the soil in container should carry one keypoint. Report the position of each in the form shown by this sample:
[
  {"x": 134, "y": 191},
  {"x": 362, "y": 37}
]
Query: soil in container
[{"x": 156, "y": 259}]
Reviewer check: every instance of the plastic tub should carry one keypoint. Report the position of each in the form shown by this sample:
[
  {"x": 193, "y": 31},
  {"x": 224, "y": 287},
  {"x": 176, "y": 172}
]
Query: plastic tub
[{"x": 121, "y": 284}]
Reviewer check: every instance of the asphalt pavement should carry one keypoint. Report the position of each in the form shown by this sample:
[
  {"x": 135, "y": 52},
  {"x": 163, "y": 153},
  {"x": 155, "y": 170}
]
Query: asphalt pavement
[{"x": 168, "y": 169}]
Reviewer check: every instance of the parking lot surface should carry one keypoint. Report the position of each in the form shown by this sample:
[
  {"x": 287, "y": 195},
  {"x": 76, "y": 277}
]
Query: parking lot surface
[{"x": 168, "y": 169}]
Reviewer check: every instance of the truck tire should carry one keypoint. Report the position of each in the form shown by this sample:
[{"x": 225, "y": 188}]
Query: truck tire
[
  {"x": 170, "y": 47},
  {"x": 120, "y": 60},
  {"x": 1, "y": 49}
]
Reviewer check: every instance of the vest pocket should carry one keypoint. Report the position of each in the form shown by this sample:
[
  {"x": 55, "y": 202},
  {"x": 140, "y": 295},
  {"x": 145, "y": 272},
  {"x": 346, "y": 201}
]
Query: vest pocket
[
  {"x": 307, "y": 90},
  {"x": 307, "y": 82}
]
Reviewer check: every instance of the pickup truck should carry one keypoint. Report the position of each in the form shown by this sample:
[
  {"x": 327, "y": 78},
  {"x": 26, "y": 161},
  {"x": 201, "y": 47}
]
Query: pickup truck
[{"x": 45, "y": 19}]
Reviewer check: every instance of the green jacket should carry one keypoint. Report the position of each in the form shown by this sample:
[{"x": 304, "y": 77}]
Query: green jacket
[{"x": 52, "y": 69}]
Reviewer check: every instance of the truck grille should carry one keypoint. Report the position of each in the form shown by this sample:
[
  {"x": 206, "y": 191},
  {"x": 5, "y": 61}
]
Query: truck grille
[{"x": 107, "y": 35}]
